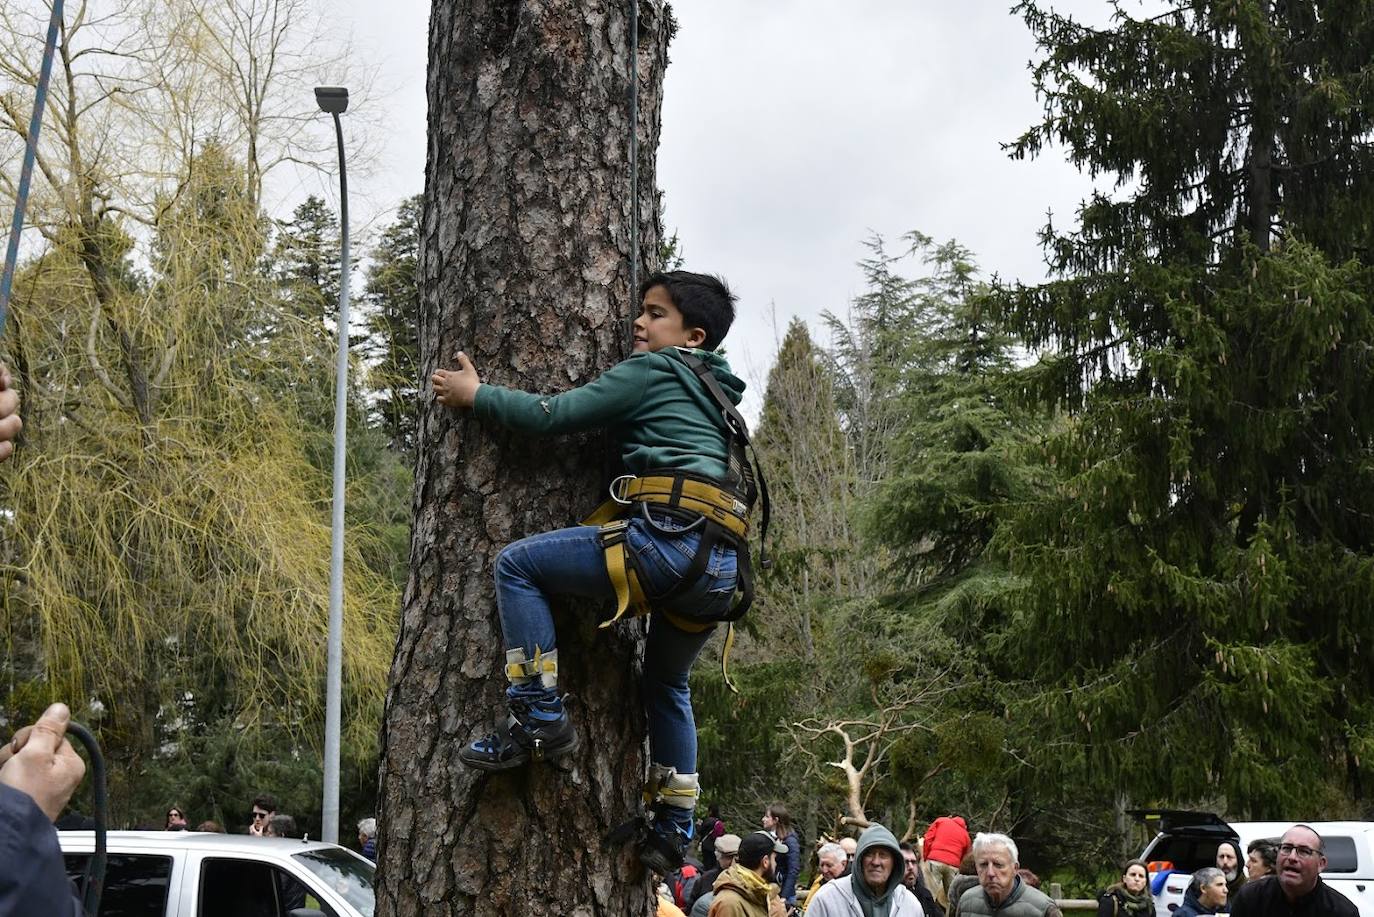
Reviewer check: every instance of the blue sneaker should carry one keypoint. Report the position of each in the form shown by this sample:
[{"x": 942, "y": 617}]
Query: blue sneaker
[
  {"x": 660, "y": 847},
  {"x": 538, "y": 729}
]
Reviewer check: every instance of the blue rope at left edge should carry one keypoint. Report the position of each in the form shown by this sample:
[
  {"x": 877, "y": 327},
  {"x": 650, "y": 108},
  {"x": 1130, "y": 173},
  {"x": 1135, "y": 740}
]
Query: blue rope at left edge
[{"x": 21, "y": 199}]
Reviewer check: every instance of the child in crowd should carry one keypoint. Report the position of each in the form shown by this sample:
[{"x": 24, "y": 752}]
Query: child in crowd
[{"x": 678, "y": 563}]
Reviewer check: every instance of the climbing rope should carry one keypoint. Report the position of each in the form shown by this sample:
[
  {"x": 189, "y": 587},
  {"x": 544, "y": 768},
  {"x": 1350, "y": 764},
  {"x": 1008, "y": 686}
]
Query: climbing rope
[
  {"x": 634, "y": 155},
  {"x": 21, "y": 199}
]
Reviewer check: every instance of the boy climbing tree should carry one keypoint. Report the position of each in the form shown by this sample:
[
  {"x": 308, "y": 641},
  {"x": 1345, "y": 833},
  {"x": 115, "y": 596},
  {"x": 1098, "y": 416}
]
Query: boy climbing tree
[
  {"x": 524, "y": 264},
  {"x": 671, "y": 542}
]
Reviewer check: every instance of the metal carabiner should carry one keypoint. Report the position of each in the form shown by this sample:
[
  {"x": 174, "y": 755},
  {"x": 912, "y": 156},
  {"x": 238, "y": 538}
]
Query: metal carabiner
[{"x": 615, "y": 483}]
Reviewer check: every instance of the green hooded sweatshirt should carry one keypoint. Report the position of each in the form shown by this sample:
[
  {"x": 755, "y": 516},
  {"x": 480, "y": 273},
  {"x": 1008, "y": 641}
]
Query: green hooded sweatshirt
[
  {"x": 653, "y": 404},
  {"x": 879, "y": 905}
]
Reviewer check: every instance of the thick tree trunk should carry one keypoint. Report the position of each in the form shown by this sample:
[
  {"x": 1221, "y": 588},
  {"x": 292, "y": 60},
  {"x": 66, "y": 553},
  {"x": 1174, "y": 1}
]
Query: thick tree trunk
[{"x": 524, "y": 264}]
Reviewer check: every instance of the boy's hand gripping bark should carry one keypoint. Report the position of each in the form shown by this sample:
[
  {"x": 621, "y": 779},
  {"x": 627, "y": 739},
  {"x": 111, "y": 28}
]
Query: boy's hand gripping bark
[{"x": 456, "y": 388}]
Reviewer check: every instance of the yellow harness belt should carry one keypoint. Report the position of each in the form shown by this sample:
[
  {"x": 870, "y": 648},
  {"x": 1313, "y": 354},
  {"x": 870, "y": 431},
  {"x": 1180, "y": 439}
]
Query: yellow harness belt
[{"x": 677, "y": 492}]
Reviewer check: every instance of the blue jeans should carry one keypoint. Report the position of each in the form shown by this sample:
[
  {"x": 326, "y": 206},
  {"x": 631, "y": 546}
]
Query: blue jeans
[{"x": 572, "y": 561}]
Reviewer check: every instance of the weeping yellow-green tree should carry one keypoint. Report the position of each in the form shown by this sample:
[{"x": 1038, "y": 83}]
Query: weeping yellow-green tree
[{"x": 164, "y": 536}]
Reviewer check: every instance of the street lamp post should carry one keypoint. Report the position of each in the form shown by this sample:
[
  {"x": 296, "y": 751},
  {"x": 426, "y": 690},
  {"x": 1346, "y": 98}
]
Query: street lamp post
[{"x": 334, "y": 101}]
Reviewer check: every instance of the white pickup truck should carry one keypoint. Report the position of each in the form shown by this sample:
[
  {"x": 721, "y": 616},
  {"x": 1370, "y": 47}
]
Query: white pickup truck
[
  {"x": 189, "y": 874},
  {"x": 1187, "y": 841}
]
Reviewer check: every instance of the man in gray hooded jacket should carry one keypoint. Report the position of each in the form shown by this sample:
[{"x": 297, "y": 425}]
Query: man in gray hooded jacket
[{"x": 874, "y": 886}]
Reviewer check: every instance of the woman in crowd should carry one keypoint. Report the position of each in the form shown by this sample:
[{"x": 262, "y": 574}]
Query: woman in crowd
[
  {"x": 966, "y": 879},
  {"x": 1209, "y": 887},
  {"x": 788, "y": 866},
  {"x": 176, "y": 819},
  {"x": 1262, "y": 858},
  {"x": 1131, "y": 896}
]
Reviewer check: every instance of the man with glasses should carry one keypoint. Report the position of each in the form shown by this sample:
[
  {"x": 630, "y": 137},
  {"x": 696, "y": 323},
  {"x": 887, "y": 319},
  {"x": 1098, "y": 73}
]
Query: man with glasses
[
  {"x": 264, "y": 807},
  {"x": 1297, "y": 890}
]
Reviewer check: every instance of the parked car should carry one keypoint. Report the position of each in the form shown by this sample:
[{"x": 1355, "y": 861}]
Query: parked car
[
  {"x": 1187, "y": 841},
  {"x": 190, "y": 874}
]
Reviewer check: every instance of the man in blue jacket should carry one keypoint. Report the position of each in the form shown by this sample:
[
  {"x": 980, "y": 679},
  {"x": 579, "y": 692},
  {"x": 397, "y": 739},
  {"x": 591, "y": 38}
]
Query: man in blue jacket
[{"x": 39, "y": 770}]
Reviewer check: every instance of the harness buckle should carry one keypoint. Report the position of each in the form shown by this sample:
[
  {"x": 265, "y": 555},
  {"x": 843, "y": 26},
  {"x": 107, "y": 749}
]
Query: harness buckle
[{"x": 616, "y": 485}]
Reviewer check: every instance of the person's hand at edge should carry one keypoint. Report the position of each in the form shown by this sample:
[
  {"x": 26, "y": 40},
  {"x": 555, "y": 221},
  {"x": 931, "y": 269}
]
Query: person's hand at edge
[
  {"x": 10, "y": 424},
  {"x": 456, "y": 388},
  {"x": 41, "y": 762}
]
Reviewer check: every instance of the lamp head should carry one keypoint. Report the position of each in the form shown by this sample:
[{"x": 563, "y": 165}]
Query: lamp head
[{"x": 332, "y": 99}]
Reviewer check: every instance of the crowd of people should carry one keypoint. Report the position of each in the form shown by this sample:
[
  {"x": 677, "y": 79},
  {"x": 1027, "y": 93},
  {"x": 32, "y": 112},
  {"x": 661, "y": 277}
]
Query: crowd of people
[
  {"x": 947, "y": 873},
  {"x": 267, "y": 821}
]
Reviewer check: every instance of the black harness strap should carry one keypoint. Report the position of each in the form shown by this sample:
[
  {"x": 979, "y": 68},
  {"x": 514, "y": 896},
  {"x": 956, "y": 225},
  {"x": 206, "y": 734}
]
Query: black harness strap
[{"x": 739, "y": 439}]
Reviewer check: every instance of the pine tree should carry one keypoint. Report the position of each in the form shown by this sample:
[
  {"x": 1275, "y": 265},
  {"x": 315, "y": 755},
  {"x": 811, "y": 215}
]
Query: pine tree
[
  {"x": 953, "y": 462},
  {"x": 524, "y": 266},
  {"x": 810, "y": 478},
  {"x": 392, "y": 300},
  {"x": 1197, "y": 603},
  {"x": 306, "y": 261}
]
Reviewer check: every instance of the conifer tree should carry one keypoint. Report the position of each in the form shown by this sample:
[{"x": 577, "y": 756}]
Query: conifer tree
[
  {"x": 392, "y": 298},
  {"x": 306, "y": 260},
  {"x": 810, "y": 478},
  {"x": 1197, "y": 601},
  {"x": 953, "y": 462}
]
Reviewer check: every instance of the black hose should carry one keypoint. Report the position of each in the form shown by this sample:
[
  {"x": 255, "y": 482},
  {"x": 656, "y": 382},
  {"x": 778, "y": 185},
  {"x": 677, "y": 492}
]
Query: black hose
[{"x": 94, "y": 882}]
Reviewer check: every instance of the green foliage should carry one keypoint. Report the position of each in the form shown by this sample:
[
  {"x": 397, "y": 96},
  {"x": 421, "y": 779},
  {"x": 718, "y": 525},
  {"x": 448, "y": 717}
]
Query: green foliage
[
  {"x": 1196, "y": 579},
  {"x": 392, "y": 344},
  {"x": 166, "y": 551},
  {"x": 305, "y": 262},
  {"x": 956, "y": 460}
]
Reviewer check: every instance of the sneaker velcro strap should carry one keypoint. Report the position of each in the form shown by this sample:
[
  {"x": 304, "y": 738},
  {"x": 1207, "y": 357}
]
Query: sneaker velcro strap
[{"x": 519, "y": 667}]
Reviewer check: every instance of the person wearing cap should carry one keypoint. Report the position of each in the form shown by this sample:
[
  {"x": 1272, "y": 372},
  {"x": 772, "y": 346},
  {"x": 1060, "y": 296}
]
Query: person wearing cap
[
  {"x": 726, "y": 848},
  {"x": 874, "y": 887},
  {"x": 746, "y": 889}
]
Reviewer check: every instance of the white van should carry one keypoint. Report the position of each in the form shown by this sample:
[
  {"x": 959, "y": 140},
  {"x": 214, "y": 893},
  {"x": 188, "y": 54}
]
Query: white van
[
  {"x": 190, "y": 874},
  {"x": 1187, "y": 841}
]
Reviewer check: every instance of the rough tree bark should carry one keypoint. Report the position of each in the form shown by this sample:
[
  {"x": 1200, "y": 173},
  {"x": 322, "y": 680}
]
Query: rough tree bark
[{"x": 524, "y": 264}]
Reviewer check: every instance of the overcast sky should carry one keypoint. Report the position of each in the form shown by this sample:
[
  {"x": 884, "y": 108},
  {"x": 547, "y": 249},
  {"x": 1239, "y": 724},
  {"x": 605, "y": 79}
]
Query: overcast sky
[{"x": 792, "y": 129}]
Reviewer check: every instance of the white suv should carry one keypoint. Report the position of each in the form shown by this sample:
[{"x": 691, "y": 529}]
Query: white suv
[
  {"x": 189, "y": 874},
  {"x": 1187, "y": 841}
]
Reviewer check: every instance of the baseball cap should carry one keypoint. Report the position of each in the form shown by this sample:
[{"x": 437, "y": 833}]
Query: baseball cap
[
  {"x": 728, "y": 844},
  {"x": 756, "y": 846}
]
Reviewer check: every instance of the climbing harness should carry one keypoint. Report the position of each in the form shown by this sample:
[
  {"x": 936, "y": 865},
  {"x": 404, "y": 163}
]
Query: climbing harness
[
  {"x": 720, "y": 509},
  {"x": 21, "y": 199}
]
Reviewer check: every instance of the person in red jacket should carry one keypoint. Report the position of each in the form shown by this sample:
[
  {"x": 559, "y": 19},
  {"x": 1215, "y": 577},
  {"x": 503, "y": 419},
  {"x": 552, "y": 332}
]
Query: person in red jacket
[{"x": 946, "y": 842}]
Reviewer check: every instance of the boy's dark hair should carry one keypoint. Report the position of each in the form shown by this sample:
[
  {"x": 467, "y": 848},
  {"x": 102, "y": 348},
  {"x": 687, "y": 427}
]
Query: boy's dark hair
[
  {"x": 703, "y": 299},
  {"x": 265, "y": 801}
]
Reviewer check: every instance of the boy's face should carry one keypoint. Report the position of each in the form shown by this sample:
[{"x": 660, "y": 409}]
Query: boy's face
[{"x": 660, "y": 324}]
